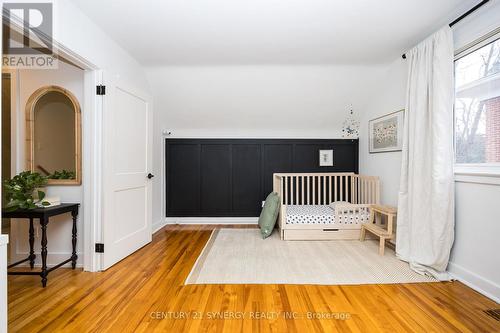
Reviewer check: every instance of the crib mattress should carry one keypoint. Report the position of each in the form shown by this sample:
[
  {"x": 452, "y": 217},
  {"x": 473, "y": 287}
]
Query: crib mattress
[{"x": 322, "y": 214}]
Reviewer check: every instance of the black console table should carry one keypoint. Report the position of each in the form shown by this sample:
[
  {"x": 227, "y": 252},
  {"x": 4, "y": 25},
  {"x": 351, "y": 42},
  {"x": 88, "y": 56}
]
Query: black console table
[{"x": 44, "y": 214}]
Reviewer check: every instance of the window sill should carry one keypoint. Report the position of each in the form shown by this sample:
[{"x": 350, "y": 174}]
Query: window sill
[{"x": 478, "y": 174}]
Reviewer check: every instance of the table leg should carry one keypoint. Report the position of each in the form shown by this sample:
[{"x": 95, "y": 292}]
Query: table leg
[
  {"x": 32, "y": 255},
  {"x": 43, "y": 222},
  {"x": 381, "y": 246},
  {"x": 74, "y": 257}
]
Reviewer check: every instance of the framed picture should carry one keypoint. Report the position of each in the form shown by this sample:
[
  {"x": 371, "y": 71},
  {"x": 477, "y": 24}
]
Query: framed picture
[
  {"x": 326, "y": 157},
  {"x": 386, "y": 132}
]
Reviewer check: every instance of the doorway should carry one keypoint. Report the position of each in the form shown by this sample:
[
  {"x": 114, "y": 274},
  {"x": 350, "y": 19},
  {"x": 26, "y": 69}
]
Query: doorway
[
  {"x": 105, "y": 189},
  {"x": 34, "y": 130},
  {"x": 6, "y": 143}
]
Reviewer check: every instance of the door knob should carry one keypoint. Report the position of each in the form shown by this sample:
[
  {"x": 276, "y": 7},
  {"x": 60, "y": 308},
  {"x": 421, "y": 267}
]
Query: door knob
[{"x": 150, "y": 175}]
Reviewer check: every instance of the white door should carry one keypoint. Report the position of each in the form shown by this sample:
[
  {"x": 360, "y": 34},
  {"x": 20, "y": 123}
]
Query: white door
[{"x": 127, "y": 161}]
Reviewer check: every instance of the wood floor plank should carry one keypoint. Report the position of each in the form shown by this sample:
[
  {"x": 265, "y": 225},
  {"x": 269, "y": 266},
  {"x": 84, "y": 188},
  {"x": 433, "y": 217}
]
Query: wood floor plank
[{"x": 145, "y": 292}]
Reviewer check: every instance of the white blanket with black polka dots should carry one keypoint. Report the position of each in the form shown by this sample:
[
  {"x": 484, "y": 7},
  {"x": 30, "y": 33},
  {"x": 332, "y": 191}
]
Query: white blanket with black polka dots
[{"x": 323, "y": 214}]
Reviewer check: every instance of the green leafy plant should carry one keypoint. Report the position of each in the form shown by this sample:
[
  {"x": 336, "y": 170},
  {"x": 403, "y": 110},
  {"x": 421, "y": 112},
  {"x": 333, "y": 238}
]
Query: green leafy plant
[
  {"x": 19, "y": 191},
  {"x": 63, "y": 174}
]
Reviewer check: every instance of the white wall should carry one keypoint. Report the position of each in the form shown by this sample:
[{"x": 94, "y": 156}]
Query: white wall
[
  {"x": 80, "y": 34},
  {"x": 59, "y": 229},
  {"x": 255, "y": 102},
  {"x": 474, "y": 258},
  {"x": 390, "y": 96},
  {"x": 276, "y": 101}
]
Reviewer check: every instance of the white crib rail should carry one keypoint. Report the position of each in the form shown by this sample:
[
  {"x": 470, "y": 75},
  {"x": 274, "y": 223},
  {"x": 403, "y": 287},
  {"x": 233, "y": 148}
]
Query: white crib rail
[
  {"x": 324, "y": 188},
  {"x": 344, "y": 212}
]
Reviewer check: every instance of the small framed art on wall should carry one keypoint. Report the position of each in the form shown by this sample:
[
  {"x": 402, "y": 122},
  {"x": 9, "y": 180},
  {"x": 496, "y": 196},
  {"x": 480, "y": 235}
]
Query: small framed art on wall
[{"x": 326, "y": 157}]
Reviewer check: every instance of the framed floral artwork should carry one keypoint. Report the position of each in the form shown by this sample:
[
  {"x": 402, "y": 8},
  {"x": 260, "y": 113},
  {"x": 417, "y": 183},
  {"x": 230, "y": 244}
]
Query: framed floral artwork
[{"x": 386, "y": 132}]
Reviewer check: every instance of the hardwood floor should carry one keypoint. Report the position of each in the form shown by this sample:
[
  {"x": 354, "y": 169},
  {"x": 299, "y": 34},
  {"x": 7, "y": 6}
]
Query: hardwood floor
[{"x": 145, "y": 293}]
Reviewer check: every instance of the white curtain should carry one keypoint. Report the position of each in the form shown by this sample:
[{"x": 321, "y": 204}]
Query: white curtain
[{"x": 425, "y": 228}]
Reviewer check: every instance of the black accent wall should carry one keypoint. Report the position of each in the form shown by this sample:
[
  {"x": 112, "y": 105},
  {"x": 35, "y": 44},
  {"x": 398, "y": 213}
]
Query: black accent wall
[{"x": 231, "y": 177}]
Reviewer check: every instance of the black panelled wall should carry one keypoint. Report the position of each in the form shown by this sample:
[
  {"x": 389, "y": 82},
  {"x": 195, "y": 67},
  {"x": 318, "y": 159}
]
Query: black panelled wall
[{"x": 231, "y": 177}]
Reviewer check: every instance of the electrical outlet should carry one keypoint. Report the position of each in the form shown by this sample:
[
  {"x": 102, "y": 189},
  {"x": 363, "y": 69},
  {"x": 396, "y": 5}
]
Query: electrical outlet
[{"x": 37, "y": 232}]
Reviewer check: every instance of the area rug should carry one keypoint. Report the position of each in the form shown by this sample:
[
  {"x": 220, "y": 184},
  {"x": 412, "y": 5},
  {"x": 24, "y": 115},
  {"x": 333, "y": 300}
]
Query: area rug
[{"x": 241, "y": 256}]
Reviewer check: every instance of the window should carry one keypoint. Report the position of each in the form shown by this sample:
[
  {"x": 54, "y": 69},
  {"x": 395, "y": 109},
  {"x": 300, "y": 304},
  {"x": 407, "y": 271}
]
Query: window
[{"x": 477, "y": 105}]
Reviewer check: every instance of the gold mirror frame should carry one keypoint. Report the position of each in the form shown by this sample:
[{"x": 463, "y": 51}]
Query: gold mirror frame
[{"x": 30, "y": 131}]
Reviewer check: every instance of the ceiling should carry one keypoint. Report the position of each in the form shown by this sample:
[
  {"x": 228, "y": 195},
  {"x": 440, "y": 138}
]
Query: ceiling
[{"x": 239, "y": 32}]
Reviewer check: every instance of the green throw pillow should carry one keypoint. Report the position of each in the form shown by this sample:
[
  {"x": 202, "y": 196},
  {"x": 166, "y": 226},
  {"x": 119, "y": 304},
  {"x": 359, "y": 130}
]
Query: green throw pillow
[{"x": 269, "y": 214}]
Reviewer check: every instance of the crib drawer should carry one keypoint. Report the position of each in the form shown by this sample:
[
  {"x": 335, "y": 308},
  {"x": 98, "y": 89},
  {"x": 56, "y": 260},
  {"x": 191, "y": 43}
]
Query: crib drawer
[{"x": 320, "y": 234}]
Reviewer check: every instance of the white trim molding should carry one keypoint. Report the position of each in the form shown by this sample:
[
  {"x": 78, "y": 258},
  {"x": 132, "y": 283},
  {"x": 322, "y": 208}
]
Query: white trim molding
[
  {"x": 212, "y": 220},
  {"x": 203, "y": 220},
  {"x": 158, "y": 225},
  {"x": 4, "y": 240},
  {"x": 485, "y": 287},
  {"x": 92, "y": 170},
  {"x": 478, "y": 173},
  {"x": 477, "y": 179}
]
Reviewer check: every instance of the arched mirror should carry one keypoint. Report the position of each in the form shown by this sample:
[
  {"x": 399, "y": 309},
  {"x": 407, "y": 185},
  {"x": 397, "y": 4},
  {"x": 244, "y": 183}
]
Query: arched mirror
[{"x": 53, "y": 135}]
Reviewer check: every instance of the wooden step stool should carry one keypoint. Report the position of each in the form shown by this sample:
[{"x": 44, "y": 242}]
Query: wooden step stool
[{"x": 378, "y": 230}]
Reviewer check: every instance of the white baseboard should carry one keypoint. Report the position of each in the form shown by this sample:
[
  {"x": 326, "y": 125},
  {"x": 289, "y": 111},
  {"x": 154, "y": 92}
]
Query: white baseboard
[
  {"x": 158, "y": 225},
  {"x": 203, "y": 220},
  {"x": 481, "y": 285},
  {"x": 212, "y": 220}
]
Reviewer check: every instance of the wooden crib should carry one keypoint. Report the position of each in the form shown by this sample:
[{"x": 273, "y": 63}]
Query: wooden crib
[{"x": 353, "y": 193}]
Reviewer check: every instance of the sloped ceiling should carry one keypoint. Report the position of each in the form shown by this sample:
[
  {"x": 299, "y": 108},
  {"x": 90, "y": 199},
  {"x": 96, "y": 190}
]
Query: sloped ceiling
[{"x": 239, "y": 32}]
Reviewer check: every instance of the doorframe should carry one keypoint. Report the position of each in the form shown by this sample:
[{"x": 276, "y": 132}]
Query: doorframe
[
  {"x": 92, "y": 161},
  {"x": 14, "y": 102}
]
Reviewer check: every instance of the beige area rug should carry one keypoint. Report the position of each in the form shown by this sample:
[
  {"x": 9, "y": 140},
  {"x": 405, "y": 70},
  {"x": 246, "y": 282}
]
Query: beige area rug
[{"x": 241, "y": 256}]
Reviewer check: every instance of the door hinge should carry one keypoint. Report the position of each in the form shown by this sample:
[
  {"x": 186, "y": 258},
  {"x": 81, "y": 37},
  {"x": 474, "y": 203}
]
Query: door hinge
[
  {"x": 99, "y": 247},
  {"x": 100, "y": 89}
]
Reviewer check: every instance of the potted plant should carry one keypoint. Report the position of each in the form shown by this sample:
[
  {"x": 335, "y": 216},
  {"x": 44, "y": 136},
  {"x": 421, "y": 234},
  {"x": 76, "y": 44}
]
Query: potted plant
[{"x": 24, "y": 191}]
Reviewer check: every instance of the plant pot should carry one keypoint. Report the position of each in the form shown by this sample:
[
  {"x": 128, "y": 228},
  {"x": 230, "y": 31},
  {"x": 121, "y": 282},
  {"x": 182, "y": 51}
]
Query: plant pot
[{"x": 35, "y": 192}]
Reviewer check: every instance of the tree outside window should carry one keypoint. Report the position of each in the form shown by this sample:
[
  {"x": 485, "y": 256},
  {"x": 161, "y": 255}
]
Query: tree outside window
[{"x": 477, "y": 105}]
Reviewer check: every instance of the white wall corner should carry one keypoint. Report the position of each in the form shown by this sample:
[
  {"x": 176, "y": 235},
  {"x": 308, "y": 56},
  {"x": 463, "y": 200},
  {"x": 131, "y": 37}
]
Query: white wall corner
[
  {"x": 158, "y": 225},
  {"x": 483, "y": 286}
]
